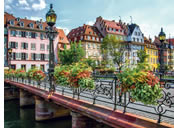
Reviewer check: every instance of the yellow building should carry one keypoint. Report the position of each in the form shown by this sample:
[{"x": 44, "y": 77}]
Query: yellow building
[{"x": 152, "y": 51}]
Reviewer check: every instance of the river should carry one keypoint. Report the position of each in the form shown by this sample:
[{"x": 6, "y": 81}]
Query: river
[{"x": 16, "y": 117}]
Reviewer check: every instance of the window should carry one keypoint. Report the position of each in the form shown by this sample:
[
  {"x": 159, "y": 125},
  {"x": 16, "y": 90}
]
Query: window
[
  {"x": 89, "y": 37},
  {"x": 98, "y": 46},
  {"x": 138, "y": 33},
  {"x": 23, "y": 56},
  {"x": 23, "y": 67},
  {"x": 93, "y": 38},
  {"x": 40, "y": 27},
  {"x": 33, "y": 35},
  {"x": 42, "y": 46},
  {"x": 12, "y": 22},
  {"x": 42, "y": 57},
  {"x": 14, "y": 56},
  {"x": 33, "y": 66},
  {"x": 133, "y": 39},
  {"x": 31, "y": 25},
  {"x": 141, "y": 40},
  {"x": 93, "y": 46},
  {"x": 42, "y": 67},
  {"x": 101, "y": 39},
  {"x": 23, "y": 34},
  {"x": 135, "y": 33},
  {"x": 89, "y": 45},
  {"x": 13, "y": 45},
  {"x": 137, "y": 39},
  {"x": 13, "y": 32},
  {"x": 33, "y": 46},
  {"x": 33, "y": 56},
  {"x": 41, "y": 36},
  {"x": 24, "y": 45},
  {"x": 22, "y": 24},
  {"x": 47, "y": 47},
  {"x": 97, "y": 39},
  {"x": 81, "y": 37},
  {"x": 153, "y": 60}
]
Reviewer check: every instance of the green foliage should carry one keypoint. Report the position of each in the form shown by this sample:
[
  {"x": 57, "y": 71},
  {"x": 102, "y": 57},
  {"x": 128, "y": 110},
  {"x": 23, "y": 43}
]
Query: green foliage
[
  {"x": 141, "y": 83},
  {"x": 86, "y": 83},
  {"x": 91, "y": 62},
  {"x": 30, "y": 73},
  {"x": 111, "y": 46},
  {"x": 20, "y": 73},
  {"x": 72, "y": 55},
  {"x": 142, "y": 56}
]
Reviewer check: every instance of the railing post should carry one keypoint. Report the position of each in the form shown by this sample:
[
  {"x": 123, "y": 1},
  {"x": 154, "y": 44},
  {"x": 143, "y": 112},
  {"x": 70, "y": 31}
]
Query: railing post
[
  {"x": 124, "y": 103},
  {"x": 115, "y": 94}
]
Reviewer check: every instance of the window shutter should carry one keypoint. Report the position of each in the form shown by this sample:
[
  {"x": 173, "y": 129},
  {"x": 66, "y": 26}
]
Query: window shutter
[
  {"x": 36, "y": 34},
  {"x": 19, "y": 33},
  {"x": 16, "y": 45},
  {"x": 30, "y": 34},
  {"x": 22, "y": 45},
  {"x": 39, "y": 55},
  {"x": 27, "y": 46},
  {"x": 19, "y": 56},
  {"x": 26, "y": 56},
  {"x": 9, "y": 45},
  {"x": 26, "y": 34}
]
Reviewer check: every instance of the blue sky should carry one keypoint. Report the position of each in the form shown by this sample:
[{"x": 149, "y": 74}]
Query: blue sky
[{"x": 151, "y": 15}]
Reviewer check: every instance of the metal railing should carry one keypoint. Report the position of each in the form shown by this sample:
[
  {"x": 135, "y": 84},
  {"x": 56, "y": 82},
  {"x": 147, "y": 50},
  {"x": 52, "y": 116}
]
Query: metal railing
[{"x": 106, "y": 94}]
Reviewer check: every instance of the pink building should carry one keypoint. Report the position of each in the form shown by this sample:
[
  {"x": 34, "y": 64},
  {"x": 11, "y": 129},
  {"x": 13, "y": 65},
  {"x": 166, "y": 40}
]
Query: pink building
[{"x": 29, "y": 42}]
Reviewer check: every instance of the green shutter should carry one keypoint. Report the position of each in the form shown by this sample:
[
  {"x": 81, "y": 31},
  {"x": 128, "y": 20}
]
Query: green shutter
[{"x": 16, "y": 45}]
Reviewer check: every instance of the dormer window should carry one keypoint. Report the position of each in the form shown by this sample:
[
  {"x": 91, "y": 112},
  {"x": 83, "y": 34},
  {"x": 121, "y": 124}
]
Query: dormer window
[
  {"x": 18, "y": 19},
  {"x": 31, "y": 25},
  {"x": 22, "y": 24},
  {"x": 40, "y": 27},
  {"x": 11, "y": 22}
]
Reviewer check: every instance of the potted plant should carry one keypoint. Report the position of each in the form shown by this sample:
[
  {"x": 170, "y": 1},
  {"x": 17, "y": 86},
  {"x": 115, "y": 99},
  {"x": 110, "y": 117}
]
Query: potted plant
[
  {"x": 20, "y": 73},
  {"x": 142, "y": 84},
  {"x": 38, "y": 75}
]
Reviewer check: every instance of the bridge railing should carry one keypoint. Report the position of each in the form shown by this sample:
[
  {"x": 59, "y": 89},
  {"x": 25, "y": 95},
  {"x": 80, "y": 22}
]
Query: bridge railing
[{"x": 106, "y": 94}]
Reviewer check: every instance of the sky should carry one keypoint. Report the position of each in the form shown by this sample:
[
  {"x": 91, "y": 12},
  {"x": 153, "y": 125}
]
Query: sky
[{"x": 150, "y": 15}]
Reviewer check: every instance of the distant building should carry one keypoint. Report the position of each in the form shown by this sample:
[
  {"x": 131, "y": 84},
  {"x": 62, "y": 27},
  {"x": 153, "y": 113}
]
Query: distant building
[
  {"x": 152, "y": 51},
  {"x": 107, "y": 27},
  {"x": 90, "y": 38},
  {"x": 135, "y": 42},
  {"x": 29, "y": 42}
]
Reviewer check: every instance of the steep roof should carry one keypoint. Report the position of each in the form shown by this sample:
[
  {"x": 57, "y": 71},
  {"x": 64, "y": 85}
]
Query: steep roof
[
  {"x": 8, "y": 17},
  {"x": 83, "y": 31},
  {"x": 170, "y": 41},
  {"x": 132, "y": 27},
  {"x": 62, "y": 36}
]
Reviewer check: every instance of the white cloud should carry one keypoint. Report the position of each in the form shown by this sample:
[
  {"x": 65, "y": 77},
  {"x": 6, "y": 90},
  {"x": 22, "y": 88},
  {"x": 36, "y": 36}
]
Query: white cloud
[
  {"x": 8, "y": 1},
  {"x": 35, "y": 18},
  {"x": 90, "y": 23},
  {"x": 25, "y": 8},
  {"x": 65, "y": 29},
  {"x": 23, "y": 2},
  {"x": 39, "y": 6},
  {"x": 7, "y": 7}
]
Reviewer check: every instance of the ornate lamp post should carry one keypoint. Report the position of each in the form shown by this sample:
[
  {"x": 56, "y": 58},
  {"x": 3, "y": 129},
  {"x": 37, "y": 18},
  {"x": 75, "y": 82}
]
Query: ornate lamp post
[
  {"x": 51, "y": 33},
  {"x": 162, "y": 37},
  {"x": 9, "y": 57}
]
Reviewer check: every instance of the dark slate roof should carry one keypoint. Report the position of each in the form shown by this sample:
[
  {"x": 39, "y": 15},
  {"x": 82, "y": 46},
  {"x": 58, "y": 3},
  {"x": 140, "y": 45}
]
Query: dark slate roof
[{"x": 132, "y": 27}]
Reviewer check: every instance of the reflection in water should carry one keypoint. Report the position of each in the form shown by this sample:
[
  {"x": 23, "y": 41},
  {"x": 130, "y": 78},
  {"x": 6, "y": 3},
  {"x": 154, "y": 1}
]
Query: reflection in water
[{"x": 16, "y": 117}]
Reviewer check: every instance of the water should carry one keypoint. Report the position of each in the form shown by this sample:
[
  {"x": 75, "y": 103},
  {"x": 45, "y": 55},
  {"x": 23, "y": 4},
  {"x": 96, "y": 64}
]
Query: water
[{"x": 16, "y": 117}]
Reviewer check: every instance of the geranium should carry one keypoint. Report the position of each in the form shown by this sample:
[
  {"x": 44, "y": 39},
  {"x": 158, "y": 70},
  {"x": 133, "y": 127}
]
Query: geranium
[
  {"x": 20, "y": 73},
  {"x": 38, "y": 75},
  {"x": 141, "y": 83}
]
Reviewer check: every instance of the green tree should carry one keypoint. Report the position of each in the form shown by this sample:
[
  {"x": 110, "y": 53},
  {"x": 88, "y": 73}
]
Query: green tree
[
  {"x": 114, "y": 47},
  {"x": 72, "y": 55},
  {"x": 142, "y": 56}
]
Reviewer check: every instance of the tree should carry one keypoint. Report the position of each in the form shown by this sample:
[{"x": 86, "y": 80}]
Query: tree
[
  {"x": 142, "y": 56},
  {"x": 115, "y": 48},
  {"x": 72, "y": 55}
]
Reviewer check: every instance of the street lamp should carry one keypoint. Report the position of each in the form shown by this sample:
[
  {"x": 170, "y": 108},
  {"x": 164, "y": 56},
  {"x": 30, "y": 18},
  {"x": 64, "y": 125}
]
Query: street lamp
[
  {"x": 162, "y": 37},
  {"x": 51, "y": 33},
  {"x": 9, "y": 57}
]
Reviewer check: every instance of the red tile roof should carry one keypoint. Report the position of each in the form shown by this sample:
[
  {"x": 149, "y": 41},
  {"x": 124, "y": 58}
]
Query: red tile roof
[
  {"x": 62, "y": 36},
  {"x": 8, "y": 17},
  {"x": 83, "y": 31},
  {"x": 171, "y": 40}
]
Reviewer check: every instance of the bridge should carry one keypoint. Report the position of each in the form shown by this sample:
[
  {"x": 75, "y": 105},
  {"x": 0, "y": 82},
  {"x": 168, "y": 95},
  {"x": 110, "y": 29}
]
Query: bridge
[{"x": 89, "y": 107}]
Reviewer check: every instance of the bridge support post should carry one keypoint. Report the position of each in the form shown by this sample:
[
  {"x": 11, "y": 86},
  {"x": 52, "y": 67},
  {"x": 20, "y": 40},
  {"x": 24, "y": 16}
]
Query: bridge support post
[
  {"x": 26, "y": 98},
  {"x": 46, "y": 110},
  {"x": 81, "y": 121},
  {"x": 11, "y": 93}
]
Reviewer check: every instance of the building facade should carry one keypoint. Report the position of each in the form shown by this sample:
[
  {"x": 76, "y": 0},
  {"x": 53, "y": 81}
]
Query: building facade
[
  {"x": 152, "y": 51},
  {"x": 90, "y": 38},
  {"x": 29, "y": 43},
  {"x": 135, "y": 42}
]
